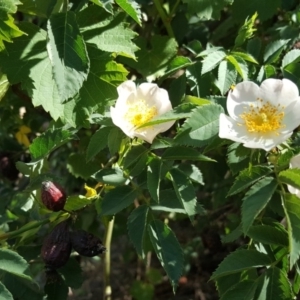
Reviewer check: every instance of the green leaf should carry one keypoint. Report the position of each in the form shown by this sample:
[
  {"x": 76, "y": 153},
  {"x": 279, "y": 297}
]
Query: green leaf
[
  {"x": 177, "y": 63},
  {"x": 201, "y": 127},
  {"x": 292, "y": 212},
  {"x": 241, "y": 260},
  {"x": 292, "y": 56},
  {"x": 38, "y": 8},
  {"x": 247, "y": 177},
  {"x": 292, "y": 72},
  {"x": 21, "y": 288},
  {"x": 115, "y": 138},
  {"x": 206, "y": 9},
  {"x": 132, "y": 8},
  {"x": 110, "y": 176},
  {"x": 167, "y": 250},
  {"x": 142, "y": 290},
  {"x": 4, "y": 85},
  {"x": 291, "y": 177},
  {"x": 13, "y": 263},
  {"x": 108, "y": 33},
  {"x": 9, "y": 6},
  {"x": 274, "y": 284},
  {"x": 226, "y": 76},
  {"x": 106, "y": 4},
  {"x": 245, "y": 56},
  {"x": 76, "y": 202},
  {"x": 27, "y": 62},
  {"x": 72, "y": 273},
  {"x": 256, "y": 200},
  {"x": 185, "y": 192},
  {"x": 169, "y": 202},
  {"x": 273, "y": 51},
  {"x": 8, "y": 30},
  {"x": 212, "y": 60},
  {"x": 192, "y": 172},
  {"x": 196, "y": 100},
  {"x": 184, "y": 153},
  {"x": 225, "y": 283},
  {"x": 68, "y": 54},
  {"x": 241, "y": 9},
  {"x": 56, "y": 290},
  {"x": 100, "y": 87},
  {"x": 79, "y": 167},
  {"x": 5, "y": 293},
  {"x": 97, "y": 142},
  {"x": 254, "y": 47},
  {"x": 133, "y": 155},
  {"x": 239, "y": 64},
  {"x": 49, "y": 141},
  {"x": 154, "y": 60},
  {"x": 137, "y": 228},
  {"x": 117, "y": 199},
  {"x": 238, "y": 157},
  {"x": 242, "y": 290},
  {"x": 271, "y": 235},
  {"x": 154, "y": 177},
  {"x": 180, "y": 112}
]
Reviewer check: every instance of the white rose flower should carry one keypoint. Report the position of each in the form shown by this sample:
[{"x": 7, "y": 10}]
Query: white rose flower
[
  {"x": 294, "y": 164},
  {"x": 261, "y": 117},
  {"x": 138, "y": 105}
]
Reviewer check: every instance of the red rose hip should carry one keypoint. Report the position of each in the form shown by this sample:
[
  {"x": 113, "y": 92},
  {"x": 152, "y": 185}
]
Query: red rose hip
[{"x": 53, "y": 195}]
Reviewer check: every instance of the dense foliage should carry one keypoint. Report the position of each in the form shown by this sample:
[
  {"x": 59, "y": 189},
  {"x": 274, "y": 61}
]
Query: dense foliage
[{"x": 124, "y": 105}]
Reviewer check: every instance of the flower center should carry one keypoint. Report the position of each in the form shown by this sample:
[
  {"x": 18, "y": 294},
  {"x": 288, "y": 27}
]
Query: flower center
[
  {"x": 264, "y": 118},
  {"x": 140, "y": 113}
]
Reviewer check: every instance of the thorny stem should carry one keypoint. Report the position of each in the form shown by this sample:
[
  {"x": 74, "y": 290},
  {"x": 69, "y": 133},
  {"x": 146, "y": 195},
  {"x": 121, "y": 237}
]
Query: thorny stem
[
  {"x": 166, "y": 20},
  {"x": 106, "y": 275}
]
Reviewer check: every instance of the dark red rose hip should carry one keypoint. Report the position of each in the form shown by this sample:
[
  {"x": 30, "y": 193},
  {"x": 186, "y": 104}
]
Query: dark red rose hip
[
  {"x": 86, "y": 244},
  {"x": 57, "y": 246},
  {"x": 53, "y": 196}
]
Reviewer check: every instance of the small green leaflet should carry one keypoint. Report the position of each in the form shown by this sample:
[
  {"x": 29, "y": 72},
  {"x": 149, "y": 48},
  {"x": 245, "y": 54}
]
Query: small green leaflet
[
  {"x": 132, "y": 8},
  {"x": 137, "y": 228},
  {"x": 153, "y": 178},
  {"x": 180, "y": 112},
  {"x": 212, "y": 60},
  {"x": 242, "y": 290},
  {"x": 97, "y": 142},
  {"x": 247, "y": 177},
  {"x": 184, "y": 153},
  {"x": 241, "y": 260},
  {"x": 49, "y": 141},
  {"x": 291, "y": 177},
  {"x": 117, "y": 199},
  {"x": 67, "y": 53},
  {"x": 5, "y": 293},
  {"x": 109, "y": 33},
  {"x": 185, "y": 192},
  {"x": 292, "y": 211},
  {"x": 167, "y": 249},
  {"x": 201, "y": 127},
  {"x": 274, "y": 284},
  {"x": 256, "y": 200},
  {"x": 12, "y": 262}
]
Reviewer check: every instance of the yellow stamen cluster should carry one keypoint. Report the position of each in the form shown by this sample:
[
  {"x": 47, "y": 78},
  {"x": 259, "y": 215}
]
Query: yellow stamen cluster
[
  {"x": 140, "y": 113},
  {"x": 264, "y": 117}
]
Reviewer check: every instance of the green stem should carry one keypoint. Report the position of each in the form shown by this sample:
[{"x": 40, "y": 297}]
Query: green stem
[
  {"x": 15, "y": 233},
  {"x": 106, "y": 277},
  {"x": 166, "y": 20},
  {"x": 174, "y": 8}
]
